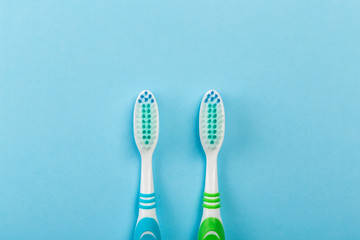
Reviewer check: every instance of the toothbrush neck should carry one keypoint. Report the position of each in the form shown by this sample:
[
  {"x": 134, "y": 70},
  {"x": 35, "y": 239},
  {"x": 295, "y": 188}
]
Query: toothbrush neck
[
  {"x": 211, "y": 179},
  {"x": 146, "y": 182}
]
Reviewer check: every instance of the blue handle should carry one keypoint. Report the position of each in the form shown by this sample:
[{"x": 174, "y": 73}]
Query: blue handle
[{"x": 147, "y": 229}]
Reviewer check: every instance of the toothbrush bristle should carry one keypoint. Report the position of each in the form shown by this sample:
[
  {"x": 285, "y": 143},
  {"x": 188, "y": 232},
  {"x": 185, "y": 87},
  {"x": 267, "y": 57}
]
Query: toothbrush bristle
[
  {"x": 146, "y": 121},
  {"x": 212, "y": 120}
]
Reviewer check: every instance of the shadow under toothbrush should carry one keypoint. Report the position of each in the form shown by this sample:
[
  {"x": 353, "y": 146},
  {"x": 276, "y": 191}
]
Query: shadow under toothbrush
[
  {"x": 133, "y": 148},
  {"x": 238, "y": 128},
  {"x": 199, "y": 147}
]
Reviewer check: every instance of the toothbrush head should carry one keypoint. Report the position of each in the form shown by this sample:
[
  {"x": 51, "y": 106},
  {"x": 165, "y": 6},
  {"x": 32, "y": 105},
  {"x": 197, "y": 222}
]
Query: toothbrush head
[
  {"x": 212, "y": 121},
  {"x": 146, "y": 122}
]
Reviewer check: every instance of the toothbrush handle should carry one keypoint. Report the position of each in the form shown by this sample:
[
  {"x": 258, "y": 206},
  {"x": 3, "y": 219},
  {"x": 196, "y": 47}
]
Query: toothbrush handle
[
  {"x": 211, "y": 227},
  {"x": 147, "y": 227}
]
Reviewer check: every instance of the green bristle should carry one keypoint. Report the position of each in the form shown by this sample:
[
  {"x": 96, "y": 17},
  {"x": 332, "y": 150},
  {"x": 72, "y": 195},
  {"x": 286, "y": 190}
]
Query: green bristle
[
  {"x": 146, "y": 124},
  {"x": 211, "y": 123}
]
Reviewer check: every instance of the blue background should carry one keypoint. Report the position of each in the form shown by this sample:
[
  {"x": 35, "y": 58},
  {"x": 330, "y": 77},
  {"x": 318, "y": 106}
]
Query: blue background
[{"x": 289, "y": 75}]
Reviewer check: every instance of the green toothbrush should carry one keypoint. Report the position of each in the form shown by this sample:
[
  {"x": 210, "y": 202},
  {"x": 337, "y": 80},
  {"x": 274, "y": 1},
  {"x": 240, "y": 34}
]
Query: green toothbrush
[{"x": 212, "y": 129}]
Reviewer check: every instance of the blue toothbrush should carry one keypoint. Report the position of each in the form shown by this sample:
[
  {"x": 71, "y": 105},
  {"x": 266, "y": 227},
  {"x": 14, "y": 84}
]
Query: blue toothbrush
[{"x": 146, "y": 131}]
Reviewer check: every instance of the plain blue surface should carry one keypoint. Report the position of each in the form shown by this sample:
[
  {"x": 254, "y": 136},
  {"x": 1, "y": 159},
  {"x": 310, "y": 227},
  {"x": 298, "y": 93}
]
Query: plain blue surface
[{"x": 289, "y": 75}]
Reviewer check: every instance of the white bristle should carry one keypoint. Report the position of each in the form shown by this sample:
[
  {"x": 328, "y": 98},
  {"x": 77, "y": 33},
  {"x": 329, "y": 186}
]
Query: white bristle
[
  {"x": 212, "y": 120},
  {"x": 146, "y": 121}
]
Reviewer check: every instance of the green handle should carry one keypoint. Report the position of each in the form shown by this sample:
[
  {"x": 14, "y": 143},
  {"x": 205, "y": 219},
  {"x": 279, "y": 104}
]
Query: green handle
[
  {"x": 208, "y": 225},
  {"x": 211, "y": 228}
]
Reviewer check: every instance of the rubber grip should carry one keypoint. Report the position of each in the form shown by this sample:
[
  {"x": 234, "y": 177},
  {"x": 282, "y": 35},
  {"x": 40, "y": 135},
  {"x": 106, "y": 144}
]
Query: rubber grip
[
  {"x": 211, "y": 229},
  {"x": 147, "y": 229}
]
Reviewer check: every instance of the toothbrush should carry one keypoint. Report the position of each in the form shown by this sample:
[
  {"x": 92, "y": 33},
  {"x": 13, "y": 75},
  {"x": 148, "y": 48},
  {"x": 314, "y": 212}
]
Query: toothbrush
[
  {"x": 212, "y": 129},
  {"x": 146, "y": 132}
]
